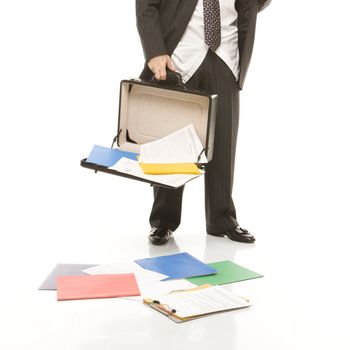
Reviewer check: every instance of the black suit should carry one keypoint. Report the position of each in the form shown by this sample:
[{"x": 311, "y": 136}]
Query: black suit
[{"x": 161, "y": 24}]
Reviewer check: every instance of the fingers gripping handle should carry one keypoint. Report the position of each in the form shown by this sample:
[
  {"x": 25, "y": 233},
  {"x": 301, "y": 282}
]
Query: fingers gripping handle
[{"x": 172, "y": 78}]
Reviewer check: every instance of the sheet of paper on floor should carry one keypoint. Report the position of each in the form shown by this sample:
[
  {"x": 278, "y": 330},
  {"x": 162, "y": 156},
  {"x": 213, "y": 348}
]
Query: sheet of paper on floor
[
  {"x": 161, "y": 288},
  {"x": 143, "y": 276}
]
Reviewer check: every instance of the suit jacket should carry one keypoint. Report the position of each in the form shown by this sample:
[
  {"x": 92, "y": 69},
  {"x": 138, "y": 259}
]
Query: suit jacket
[{"x": 161, "y": 24}]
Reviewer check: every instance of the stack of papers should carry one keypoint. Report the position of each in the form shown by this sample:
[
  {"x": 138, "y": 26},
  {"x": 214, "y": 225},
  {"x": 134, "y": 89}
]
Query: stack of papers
[
  {"x": 167, "y": 169},
  {"x": 171, "y": 160},
  {"x": 132, "y": 167},
  {"x": 176, "y": 153}
]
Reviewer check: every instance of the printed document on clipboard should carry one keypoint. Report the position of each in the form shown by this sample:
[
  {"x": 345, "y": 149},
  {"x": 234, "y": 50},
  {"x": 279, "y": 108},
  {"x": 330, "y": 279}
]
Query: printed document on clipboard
[{"x": 197, "y": 302}]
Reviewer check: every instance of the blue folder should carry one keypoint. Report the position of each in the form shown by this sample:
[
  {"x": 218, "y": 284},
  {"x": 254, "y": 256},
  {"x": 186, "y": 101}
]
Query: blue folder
[
  {"x": 177, "y": 266},
  {"x": 107, "y": 156}
]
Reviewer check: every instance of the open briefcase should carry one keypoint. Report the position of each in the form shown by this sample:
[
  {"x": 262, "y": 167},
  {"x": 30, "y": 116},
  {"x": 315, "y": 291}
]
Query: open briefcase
[{"x": 149, "y": 110}]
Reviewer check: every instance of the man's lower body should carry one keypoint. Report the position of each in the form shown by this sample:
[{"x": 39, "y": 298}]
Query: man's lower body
[{"x": 214, "y": 77}]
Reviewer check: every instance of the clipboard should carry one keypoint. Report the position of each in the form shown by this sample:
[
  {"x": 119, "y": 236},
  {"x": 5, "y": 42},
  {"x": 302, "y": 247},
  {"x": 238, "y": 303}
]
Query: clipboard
[{"x": 174, "y": 315}]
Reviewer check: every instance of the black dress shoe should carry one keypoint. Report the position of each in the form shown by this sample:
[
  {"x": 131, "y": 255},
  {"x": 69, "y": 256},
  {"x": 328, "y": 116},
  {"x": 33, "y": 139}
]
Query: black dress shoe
[
  {"x": 237, "y": 234},
  {"x": 159, "y": 235}
]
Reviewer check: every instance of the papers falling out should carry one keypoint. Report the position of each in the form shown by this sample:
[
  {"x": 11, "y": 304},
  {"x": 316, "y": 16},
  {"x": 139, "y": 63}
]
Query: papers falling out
[
  {"x": 182, "y": 146},
  {"x": 170, "y": 161},
  {"x": 107, "y": 156},
  {"x": 170, "y": 168},
  {"x": 132, "y": 167}
]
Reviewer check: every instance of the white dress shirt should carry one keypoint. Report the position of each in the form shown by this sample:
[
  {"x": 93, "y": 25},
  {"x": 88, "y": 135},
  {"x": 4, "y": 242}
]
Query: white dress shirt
[{"x": 191, "y": 50}]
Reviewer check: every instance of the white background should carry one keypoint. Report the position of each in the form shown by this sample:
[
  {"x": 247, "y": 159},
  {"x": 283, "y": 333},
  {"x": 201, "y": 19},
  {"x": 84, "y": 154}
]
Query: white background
[{"x": 60, "y": 67}]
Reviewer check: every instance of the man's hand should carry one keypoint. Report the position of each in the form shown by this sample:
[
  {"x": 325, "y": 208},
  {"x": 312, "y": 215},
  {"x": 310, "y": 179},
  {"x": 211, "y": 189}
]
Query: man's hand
[{"x": 159, "y": 64}]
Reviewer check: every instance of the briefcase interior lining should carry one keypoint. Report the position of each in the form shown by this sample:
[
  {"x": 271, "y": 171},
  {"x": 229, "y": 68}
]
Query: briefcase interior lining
[{"x": 148, "y": 113}]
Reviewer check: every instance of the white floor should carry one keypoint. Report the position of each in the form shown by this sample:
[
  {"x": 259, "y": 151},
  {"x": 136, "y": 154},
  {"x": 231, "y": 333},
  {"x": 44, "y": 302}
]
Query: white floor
[{"x": 301, "y": 303}]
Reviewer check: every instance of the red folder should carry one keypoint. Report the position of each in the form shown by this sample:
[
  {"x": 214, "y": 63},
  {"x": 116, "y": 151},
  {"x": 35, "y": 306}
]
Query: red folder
[{"x": 96, "y": 286}]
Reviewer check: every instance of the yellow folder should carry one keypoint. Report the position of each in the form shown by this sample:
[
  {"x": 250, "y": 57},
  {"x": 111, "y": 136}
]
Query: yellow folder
[{"x": 167, "y": 169}]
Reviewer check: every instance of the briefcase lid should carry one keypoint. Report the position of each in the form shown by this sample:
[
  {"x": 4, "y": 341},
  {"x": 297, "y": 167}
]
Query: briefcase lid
[{"x": 151, "y": 110}]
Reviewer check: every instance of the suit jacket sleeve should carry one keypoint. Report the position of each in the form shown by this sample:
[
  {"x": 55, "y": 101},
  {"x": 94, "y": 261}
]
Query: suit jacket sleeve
[
  {"x": 263, "y": 4},
  {"x": 149, "y": 28}
]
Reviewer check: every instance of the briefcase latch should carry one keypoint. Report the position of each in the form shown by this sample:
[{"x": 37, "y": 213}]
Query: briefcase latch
[{"x": 116, "y": 138}]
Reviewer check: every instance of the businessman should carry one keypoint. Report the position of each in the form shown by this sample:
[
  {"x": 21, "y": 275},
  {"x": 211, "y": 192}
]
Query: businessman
[{"x": 210, "y": 43}]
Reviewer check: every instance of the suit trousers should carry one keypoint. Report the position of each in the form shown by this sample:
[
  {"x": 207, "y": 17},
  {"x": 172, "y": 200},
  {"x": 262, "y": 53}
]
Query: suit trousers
[{"x": 214, "y": 77}]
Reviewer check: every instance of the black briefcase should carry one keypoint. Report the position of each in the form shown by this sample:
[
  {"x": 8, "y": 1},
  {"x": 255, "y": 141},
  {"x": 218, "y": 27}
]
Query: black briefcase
[{"x": 149, "y": 110}]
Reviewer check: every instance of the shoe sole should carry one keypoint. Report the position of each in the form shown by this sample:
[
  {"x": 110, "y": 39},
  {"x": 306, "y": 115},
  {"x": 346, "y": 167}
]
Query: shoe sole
[
  {"x": 216, "y": 234},
  {"x": 231, "y": 238},
  {"x": 159, "y": 242}
]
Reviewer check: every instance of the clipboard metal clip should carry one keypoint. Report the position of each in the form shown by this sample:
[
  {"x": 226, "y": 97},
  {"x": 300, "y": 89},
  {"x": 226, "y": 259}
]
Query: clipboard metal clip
[{"x": 164, "y": 307}]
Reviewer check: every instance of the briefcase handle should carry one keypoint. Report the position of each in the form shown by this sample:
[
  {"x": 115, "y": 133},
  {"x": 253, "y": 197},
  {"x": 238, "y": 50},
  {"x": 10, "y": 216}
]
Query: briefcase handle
[{"x": 172, "y": 78}]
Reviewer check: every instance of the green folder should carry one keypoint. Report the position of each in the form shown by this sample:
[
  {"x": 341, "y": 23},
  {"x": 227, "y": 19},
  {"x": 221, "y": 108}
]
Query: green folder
[{"x": 228, "y": 272}]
